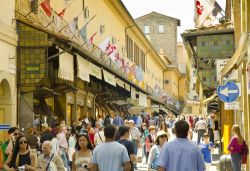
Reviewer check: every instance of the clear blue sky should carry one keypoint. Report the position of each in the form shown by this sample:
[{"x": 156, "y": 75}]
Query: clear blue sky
[{"x": 180, "y": 9}]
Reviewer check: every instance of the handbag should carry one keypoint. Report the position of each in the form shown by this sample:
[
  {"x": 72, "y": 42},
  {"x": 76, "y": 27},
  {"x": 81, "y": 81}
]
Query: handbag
[{"x": 245, "y": 152}]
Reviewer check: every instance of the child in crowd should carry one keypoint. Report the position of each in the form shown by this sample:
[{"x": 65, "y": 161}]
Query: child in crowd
[{"x": 206, "y": 148}]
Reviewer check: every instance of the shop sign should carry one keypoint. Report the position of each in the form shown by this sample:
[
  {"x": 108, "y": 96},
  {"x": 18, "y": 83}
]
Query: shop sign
[
  {"x": 32, "y": 68},
  {"x": 220, "y": 64},
  {"x": 232, "y": 106}
]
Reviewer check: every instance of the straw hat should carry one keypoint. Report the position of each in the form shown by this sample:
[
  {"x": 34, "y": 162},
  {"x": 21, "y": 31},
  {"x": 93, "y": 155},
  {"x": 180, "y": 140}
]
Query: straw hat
[
  {"x": 151, "y": 127},
  {"x": 131, "y": 121},
  {"x": 160, "y": 133}
]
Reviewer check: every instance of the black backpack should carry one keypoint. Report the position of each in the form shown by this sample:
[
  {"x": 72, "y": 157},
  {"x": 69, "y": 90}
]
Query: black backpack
[{"x": 107, "y": 121}]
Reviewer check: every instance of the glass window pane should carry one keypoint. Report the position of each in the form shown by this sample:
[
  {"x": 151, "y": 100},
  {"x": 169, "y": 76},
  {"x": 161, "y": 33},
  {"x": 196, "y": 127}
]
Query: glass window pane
[
  {"x": 161, "y": 28},
  {"x": 146, "y": 29}
]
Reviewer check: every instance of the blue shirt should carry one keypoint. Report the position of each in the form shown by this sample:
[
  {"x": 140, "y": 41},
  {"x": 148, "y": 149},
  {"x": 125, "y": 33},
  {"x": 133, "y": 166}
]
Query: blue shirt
[
  {"x": 181, "y": 155},
  {"x": 110, "y": 156},
  {"x": 206, "y": 152}
]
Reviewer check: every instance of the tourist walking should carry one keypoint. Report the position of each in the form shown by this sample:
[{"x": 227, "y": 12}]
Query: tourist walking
[
  {"x": 180, "y": 154},
  {"x": 83, "y": 156},
  {"x": 110, "y": 155},
  {"x": 236, "y": 147},
  {"x": 49, "y": 161},
  {"x": 154, "y": 153}
]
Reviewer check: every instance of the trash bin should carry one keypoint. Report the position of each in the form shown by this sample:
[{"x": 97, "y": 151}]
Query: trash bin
[{"x": 225, "y": 163}]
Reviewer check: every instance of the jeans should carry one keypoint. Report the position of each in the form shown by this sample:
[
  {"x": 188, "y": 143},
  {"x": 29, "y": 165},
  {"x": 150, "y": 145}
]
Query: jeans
[
  {"x": 200, "y": 135},
  {"x": 63, "y": 156},
  {"x": 236, "y": 161}
]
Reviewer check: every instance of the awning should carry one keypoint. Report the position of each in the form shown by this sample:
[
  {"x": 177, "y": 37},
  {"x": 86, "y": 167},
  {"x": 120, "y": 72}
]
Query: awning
[
  {"x": 143, "y": 99},
  {"x": 133, "y": 93},
  {"x": 238, "y": 56},
  {"x": 119, "y": 82},
  {"x": 82, "y": 68},
  {"x": 66, "y": 66},
  {"x": 207, "y": 100},
  {"x": 95, "y": 71},
  {"x": 127, "y": 87},
  {"x": 109, "y": 78}
]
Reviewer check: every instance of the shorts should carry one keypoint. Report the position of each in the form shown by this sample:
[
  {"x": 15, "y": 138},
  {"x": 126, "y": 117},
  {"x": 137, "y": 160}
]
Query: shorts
[{"x": 208, "y": 165}]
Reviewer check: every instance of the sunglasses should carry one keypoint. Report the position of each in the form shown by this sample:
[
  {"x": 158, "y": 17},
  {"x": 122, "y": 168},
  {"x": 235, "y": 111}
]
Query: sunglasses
[
  {"x": 22, "y": 142},
  {"x": 163, "y": 136}
]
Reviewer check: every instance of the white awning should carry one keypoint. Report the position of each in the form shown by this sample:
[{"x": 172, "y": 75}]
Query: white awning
[
  {"x": 119, "y": 82},
  {"x": 133, "y": 93},
  {"x": 95, "y": 71},
  {"x": 109, "y": 78},
  {"x": 83, "y": 69},
  {"x": 127, "y": 87},
  {"x": 142, "y": 99},
  {"x": 66, "y": 66}
]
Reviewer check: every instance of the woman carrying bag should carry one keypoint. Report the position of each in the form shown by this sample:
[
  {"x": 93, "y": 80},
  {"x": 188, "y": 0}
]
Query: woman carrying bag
[{"x": 237, "y": 146}]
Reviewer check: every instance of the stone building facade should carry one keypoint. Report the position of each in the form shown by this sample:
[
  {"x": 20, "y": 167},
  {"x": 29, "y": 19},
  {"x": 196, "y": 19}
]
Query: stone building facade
[{"x": 161, "y": 31}]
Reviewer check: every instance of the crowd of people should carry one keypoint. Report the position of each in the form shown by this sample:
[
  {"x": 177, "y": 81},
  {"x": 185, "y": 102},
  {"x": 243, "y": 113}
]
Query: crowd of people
[{"x": 116, "y": 144}]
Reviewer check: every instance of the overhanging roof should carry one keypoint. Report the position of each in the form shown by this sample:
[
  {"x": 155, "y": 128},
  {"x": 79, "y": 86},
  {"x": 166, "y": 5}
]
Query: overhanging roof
[{"x": 216, "y": 29}]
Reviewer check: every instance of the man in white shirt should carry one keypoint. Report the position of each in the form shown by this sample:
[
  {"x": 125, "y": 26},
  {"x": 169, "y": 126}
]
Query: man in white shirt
[
  {"x": 201, "y": 127},
  {"x": 99, "y": 136}
]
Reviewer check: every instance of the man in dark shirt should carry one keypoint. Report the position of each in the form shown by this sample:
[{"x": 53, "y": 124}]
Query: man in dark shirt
[{"x": 124, "y": 140}]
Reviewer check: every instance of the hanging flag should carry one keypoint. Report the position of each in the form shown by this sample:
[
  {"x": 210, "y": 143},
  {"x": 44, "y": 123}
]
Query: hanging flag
[
  {"x": 73, "y": 25},
  {"x": 92, "y": 38},
  {"x": 132, "y": 70},
  {"x": 108, "y": 48},
  {"x": 203, "y": 9},
  {"x": 46, "y": 7},
  {"x": 210, "y": 19},
  {"x": 58, "y": 21},
  {"x": 83, "y": 30},
  {"x": 139, "y": 74},
  {"x": 61, "y": 14},
  {"x": 83, "y": 33}
]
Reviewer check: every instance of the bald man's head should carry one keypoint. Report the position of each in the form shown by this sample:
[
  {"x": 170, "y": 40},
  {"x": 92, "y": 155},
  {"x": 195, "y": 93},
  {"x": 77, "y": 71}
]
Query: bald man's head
[{"x": 46, "y": 147}]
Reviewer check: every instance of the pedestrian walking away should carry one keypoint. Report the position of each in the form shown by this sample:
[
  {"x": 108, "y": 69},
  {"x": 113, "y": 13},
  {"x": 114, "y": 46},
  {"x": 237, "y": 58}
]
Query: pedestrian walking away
[{"x": 180, "y": 154}]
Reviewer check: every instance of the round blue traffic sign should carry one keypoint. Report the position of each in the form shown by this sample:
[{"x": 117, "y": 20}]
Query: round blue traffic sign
[{"x": 228, "y": 92}]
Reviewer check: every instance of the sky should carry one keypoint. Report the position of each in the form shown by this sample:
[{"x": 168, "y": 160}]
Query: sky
[{"x": 180, "y": 9}]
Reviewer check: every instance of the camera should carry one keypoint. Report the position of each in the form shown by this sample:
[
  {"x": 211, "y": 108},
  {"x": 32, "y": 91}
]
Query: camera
[{"x": 84, "y": 165}]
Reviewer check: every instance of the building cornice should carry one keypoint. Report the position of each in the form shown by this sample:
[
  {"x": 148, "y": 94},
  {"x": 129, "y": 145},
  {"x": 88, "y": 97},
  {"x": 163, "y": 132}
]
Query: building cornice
[{"x": 8, "y": 34}]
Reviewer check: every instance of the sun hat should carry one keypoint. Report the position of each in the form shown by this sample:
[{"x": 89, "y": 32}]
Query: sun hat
[
  {"x": 160, "y": 133},
  {"x": 131, "y": 121}
]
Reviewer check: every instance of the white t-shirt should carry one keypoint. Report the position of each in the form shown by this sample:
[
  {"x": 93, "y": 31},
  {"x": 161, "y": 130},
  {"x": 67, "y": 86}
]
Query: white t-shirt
[{"x": 97, "y": 138}]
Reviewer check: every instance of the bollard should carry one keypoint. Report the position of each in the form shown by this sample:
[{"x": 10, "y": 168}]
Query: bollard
[{"x": 225, "y": 163}]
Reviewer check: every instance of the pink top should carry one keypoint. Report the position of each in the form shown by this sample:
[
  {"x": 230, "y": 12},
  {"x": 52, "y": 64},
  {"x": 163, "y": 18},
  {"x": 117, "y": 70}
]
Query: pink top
[
  {"x": 234, "y": 146},
  {"x": 62, "y": 141}
]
